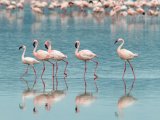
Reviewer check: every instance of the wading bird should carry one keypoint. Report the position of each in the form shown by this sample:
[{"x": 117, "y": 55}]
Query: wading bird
[
  {"x": 29, "y": 61},
  {"x": 85, "y": 55},
  {"x": 125, "y": 55}
]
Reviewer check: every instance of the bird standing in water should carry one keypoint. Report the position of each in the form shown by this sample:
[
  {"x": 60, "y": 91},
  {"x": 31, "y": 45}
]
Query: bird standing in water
[{"x": 125, "y": 55}]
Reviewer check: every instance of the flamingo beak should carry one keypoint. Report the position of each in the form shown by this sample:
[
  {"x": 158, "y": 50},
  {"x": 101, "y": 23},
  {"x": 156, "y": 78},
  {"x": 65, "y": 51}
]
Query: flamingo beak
[
  {"x": 76, "y": 109},
  {"x": 34, "y": 110},
  {"x": 20, "y": 47},
  {"x": 115, "y": 41},
  {"x": 34, "y": 44},
  {"x": 46, "y": 46},
  {"x": 76, "y": 45}
]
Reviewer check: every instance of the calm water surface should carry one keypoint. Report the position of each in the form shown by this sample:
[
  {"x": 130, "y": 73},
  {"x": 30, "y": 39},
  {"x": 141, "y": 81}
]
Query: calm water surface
[{"x": 96, "y": 33}]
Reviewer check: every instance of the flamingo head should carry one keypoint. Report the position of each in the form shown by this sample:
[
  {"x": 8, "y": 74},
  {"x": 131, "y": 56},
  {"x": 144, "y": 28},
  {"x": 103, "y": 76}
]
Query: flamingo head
[
  {"x": 70, "y": 4},
  {"x": 23, "y": 46},
  {"x": 34, "y": 43},
  {"x": 118, "y": 40},
  {"x": 90, "y": 2},
  {"x": 47, "y": 43},
  {"x": 77, "y": 43}
]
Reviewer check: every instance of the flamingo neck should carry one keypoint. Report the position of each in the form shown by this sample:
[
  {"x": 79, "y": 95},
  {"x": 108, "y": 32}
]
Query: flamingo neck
[
  {"x": 49, "y": 47},
  {"x": 24, "y": 51},
  {"x": 120, "y": 47}
]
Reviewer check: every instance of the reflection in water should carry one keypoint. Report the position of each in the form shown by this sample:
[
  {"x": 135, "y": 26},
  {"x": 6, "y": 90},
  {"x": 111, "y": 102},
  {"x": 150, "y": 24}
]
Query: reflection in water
[
  {"x": 29, "y": 93},
  {"x": 84, "y": 99},
  {"x": 125, "y": 101},
  {"x": 48, "y": 99}
]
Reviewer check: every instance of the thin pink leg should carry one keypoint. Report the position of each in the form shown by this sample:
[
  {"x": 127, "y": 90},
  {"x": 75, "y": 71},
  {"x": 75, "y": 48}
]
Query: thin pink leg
[
  {"x": 133, "y": 75},
  {"x": 65, "y": 82},
  {"x": 56, "y": 73},
  {"x": 25, "y": 72},
  {"x": 96, "y": 86},
  {"x": 95, "y": 76},
  {"x": 123, "y": 77},
  {"x": 85, "y": 69},
  {"x": 42, "y": 74},
  {"x": 35, "y": 81},
  {"x": 65, "y": 73},
  {"x": 52, "y": 73}
]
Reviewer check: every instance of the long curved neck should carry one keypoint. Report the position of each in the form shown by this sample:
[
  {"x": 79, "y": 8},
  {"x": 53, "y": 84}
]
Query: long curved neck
[
  {"x": 120, "y": 47},
  {"x": 49, "y": 47},
  {"x": 77, "y": 49},
  {"x": 24, "y": 51}
]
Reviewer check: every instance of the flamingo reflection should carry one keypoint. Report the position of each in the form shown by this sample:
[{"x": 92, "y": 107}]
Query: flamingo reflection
[
  {"x": 48, "y": 99},
  {"x": 84, "y": 99},
  {"x": 28, "y": 93},
  {"x": 125, "y": 101}
]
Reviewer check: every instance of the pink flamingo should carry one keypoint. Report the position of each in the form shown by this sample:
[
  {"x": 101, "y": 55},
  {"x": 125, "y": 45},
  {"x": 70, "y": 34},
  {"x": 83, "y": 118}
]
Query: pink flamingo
[
  {"x": 126, "y": 55},
  {"x": 85, "y": 55},
  {"x": 57, "y": 56},
  {"x": 41, "y": 55},
  {"x": 29, "y": 61}
]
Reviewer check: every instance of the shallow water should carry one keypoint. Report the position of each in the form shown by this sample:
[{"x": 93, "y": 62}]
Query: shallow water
[{"x": 96, "y": 33}]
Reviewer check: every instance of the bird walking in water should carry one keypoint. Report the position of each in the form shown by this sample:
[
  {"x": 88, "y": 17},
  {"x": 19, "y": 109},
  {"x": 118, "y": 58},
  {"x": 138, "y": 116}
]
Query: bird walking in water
[
  {"x": 126, "y": 55},
  {"x": 40, "y": 55},
  {"x": 85, "y": 55},
  {"x": 57, "y": 56},
  {"x": 29, "y": 61}
]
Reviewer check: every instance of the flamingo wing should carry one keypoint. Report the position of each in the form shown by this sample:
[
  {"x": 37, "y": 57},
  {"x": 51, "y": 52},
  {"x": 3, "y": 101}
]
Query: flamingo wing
[
  {"x": 87, "y": 54},
  {"x": 42, "y": 55},
  {"x": 128, "y": 54},
  {"x": 57, "y": 54},
  {"x": 30, "y": 60}
]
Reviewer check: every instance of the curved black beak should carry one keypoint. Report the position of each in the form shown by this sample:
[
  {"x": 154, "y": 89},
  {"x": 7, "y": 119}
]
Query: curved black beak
[
  {"x": 76, "y": 109},
  {"x": 46, "y": 46},
  {"x": 34, "y": 110},
  {"x": 34, "y": 43},
  {"x": 143, "y": 13},
  {"x": 115, "y": 41},
  {"x": 76, "y": 45},
  {"x": 20, "y": 47}
]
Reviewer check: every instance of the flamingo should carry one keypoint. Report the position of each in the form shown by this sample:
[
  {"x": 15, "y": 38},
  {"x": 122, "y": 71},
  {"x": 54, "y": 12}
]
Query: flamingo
[
  {"x": 84, "y": 99},
  {"x": 29, "y": 61},
  {"x": 85, "y": 55},
  {"x": 41, "y": 55},
  {"x": 27, "y": 94},
  {"x": 125, "y": 55},
  {"x": 56, "y": 55}
]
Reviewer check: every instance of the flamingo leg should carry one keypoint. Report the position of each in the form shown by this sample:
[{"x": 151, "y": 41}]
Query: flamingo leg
[
  {"x": 42, "y": 74},
  {"x": 52, "y": 73},
  {"x": 65, "y": 82},
  {"x": 123, "y": 77},
  {"x": 56, "y": 73},
  {"x": 65, "y": 73},
  {"x": 35, "y": 81},
  {"x": 25, "y": 72},
  {"x": 95, "y": 76},
  {"x": 85, "y": 69},
  {"x": 133, "y": 75}
]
